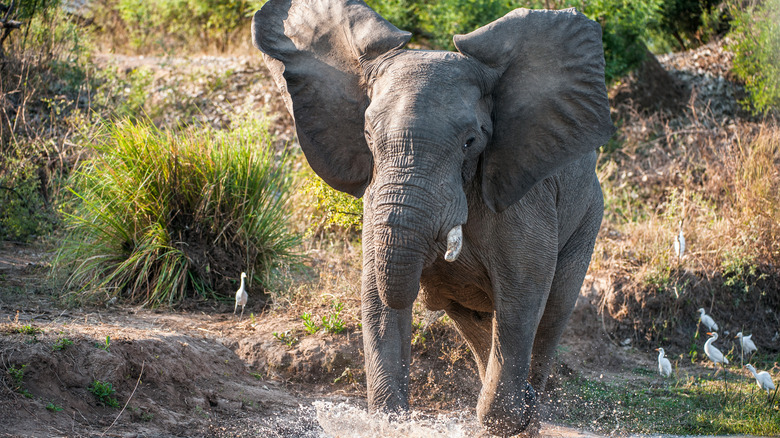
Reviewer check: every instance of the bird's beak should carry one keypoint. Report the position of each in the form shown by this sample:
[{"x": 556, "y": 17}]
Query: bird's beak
[{"x": 709, "y": 333}]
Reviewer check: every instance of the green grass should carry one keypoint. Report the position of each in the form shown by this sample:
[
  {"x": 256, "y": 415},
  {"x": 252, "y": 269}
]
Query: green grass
[
  {"x": 689, "y": 406},
  {"x": 156, "y": 216}
]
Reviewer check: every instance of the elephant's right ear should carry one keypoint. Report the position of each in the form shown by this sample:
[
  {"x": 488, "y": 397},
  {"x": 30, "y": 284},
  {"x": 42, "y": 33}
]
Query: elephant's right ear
[
  {"x": 314, "y": 50},
  {"x": 550, "y": 104}
]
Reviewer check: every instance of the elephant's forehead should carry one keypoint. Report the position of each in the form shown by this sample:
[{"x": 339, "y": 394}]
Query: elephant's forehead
[{"x": 426, "y": 66}]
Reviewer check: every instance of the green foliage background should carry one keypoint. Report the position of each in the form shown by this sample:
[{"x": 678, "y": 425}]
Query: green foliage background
[{"x": 756, "y": 46}]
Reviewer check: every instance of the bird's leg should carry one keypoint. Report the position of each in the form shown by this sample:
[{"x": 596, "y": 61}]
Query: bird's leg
[{"x": 242, "y": 314}]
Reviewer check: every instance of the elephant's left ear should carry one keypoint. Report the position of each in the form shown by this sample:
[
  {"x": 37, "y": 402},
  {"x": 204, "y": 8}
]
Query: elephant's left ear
[{"x": 550, "y": 100}]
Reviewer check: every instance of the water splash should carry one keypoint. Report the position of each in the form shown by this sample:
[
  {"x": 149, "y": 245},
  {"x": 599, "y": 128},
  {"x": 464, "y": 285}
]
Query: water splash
[{"x": 344, "y": 420}]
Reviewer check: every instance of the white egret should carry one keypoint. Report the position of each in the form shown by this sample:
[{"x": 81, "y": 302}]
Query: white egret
[
  {"x": 748, "y": 347},
  {"x": 679, "y": 243},
  {"x": 664, "y": 366},
  {"x": 241, "y": 296},
  {"x": 713, "y": 353},
  {"x": 763, "y": 379},
  {"x": 707, "y": 320}
]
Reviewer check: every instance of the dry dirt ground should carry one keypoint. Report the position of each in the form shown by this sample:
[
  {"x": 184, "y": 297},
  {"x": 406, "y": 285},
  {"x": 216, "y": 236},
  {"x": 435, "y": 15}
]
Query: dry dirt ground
[{"x": 201, "y": 372}]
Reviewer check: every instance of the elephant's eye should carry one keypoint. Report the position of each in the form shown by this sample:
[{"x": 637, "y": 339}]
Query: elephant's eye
[{"x": 468, "y": 143}]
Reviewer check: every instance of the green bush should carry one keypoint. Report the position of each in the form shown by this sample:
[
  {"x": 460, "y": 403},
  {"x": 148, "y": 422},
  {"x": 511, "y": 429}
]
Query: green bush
[
  {"x": 626, "y": 24},
  {"x": 333, "y": 209},
  {"x": 158, "y": 216},
  {"x": 24, "y": 212},
  {"x": 682, "y": 20},
  {"x": 755, "y": 41},
  {"x": 167, "y": 25}
]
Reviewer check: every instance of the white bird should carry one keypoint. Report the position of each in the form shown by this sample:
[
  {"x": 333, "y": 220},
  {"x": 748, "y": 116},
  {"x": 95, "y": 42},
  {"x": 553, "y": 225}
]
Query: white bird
[
  {"x": 748, "y": 347},
  {"x": 713, "y": 353},
  {"x": 241, "y": 296},
  {"x": 664, "y": 366},
  {"x": 708, "y": 321},
  {"x": 763, "y": 379},
  {"x": 679, "y": 243}
]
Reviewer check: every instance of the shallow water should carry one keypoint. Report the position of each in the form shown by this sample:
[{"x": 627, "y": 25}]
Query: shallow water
[{"x": 345, "y": 420}]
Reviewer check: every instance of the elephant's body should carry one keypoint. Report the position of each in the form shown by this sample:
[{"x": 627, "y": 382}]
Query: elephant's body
[{"x": 487, "y": 154}]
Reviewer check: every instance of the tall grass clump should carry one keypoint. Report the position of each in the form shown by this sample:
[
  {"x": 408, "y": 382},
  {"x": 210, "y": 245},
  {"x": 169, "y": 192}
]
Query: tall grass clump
[{"x": 157, "y": 216}]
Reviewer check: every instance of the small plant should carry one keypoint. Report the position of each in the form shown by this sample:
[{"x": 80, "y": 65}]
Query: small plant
[
  {"x": 286, "y": 338},
  {"x": 418, "y": 338},
  {"x": 106, "y": 345},
  {"x": 28, "y": 329},
  {"x": 53, "y": 407},
  {"x": 61, "y": 344},
  {"x": 310, "y": 326},
  {"x": 17, "y": 374},
  {"x": 103, "y": 391},
  {"x": 333, "y": 323}
]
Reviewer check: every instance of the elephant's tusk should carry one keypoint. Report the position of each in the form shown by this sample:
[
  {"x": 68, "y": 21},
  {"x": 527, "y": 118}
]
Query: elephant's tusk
[{"x": 454, "y": 243}]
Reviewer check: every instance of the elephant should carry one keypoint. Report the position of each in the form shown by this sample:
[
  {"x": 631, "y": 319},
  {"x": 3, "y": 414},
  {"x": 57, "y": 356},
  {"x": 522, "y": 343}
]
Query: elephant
[{"x": 477, "y": 172}]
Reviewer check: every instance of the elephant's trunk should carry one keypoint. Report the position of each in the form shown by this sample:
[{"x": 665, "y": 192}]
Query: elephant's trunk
[
  {"x": 399, "y": 260},
  {"x": 404, "y": 232}
]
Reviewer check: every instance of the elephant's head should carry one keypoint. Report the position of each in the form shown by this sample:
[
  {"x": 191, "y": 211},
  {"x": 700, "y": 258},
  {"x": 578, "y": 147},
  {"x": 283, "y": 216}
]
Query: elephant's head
[{"x": 416, "y": 130}]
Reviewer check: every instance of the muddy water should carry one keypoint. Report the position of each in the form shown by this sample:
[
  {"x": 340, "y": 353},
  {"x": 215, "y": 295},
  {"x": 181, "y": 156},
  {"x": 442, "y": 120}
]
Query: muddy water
[{"x": 346, "y": 420}]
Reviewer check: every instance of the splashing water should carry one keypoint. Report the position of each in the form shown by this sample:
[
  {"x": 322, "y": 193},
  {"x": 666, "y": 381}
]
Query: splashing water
[{"x": 344, "y": 420}]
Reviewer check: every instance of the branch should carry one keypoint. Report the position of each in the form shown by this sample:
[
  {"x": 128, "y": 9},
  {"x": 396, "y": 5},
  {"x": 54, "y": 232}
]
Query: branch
[{"x": 10, "y": 24}]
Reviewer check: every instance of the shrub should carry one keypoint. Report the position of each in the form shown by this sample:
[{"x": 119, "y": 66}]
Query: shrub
[
  {"x": 755, "y": 41},
  {"x": 43, "y": 87},
  {"x": 683, "y": 19},
  {"x": 331, "y": 208},
  {"x": 24, "y": 210},
  {"x": 167, "y": 25},
  {"x": 157, "y": 216}
]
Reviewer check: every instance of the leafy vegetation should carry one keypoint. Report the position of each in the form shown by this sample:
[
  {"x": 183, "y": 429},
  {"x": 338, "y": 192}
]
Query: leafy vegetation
[
  {"x": 51, "y": 406},
  {"x": 103, "y": 392},
  {"x": 106, "y": 345},
  {"x": 755, "y": 41},
  {"x": 285, "y": 337},
  {"x": 168, "y": 25},
  {"x": 17, "y": 380},
  {"x": 332, "y": 209},
  {"x": 61, "y": 344},
  {"x": 157, "y": 216}
]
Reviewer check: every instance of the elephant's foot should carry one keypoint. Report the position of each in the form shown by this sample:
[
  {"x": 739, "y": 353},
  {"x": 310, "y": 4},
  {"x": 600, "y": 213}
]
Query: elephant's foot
[{"x": 508, "y": 414}]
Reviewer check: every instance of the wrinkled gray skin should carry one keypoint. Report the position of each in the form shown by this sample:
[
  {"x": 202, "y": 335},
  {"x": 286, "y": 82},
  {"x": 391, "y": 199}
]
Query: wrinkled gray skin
[{"x": 499, "y": 137}]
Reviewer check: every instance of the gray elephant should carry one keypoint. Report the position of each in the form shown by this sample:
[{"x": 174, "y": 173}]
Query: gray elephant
[{"x": 477, "y": 170}]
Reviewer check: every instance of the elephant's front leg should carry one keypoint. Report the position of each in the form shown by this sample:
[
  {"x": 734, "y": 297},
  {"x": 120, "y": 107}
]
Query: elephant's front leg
[
  {"x": 507, "y": 402},
  {"x": 387, "y": 344}
]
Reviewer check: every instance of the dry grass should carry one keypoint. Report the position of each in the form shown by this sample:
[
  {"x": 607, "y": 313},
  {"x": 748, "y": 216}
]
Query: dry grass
[{"x": 721, "y": 177}]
